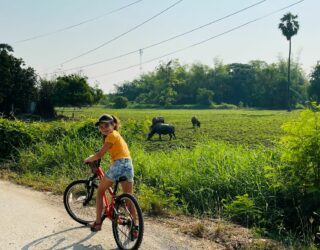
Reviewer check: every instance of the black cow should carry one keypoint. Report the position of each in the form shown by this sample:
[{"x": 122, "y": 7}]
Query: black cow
[
  {"x": 156, "y": 120},
  {"x": 195, "y": 122},
  {"x": 162, "y": 129}
]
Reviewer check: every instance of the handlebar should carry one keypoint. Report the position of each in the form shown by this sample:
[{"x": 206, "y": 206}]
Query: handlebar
[{"x": 94, "y": 166}]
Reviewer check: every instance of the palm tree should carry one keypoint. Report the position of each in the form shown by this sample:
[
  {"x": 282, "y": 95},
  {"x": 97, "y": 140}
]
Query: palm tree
[{"x": 289, "y": 27}]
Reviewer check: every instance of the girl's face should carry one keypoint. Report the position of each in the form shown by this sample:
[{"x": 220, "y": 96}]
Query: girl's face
[{"x": 106, "y": 128}]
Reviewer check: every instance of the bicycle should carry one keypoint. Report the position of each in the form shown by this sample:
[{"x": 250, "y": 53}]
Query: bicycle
[{"x": 124, "y": 211}]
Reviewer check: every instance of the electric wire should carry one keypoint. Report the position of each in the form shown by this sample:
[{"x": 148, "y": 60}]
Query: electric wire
[
  {"x": 121, "y": 35},
  {"x": 201, "y": 42},
  {"x": 163, "y": 41},
  {"x": 76, "y": 25}
]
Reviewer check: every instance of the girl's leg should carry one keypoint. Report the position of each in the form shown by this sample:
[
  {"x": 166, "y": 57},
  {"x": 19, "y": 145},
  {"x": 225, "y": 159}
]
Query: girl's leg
[
  {"x": 104, "y": 185},
  {"x": 127, "y": 187}
]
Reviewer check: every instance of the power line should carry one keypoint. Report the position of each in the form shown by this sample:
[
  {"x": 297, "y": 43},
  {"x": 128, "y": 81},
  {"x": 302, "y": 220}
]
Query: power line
[
  {"x": 201, "y": 42},
  {"x": 117, "y": 37},
  {"x": 166, "y": 40},
  {"x": 77, "y": 24}
]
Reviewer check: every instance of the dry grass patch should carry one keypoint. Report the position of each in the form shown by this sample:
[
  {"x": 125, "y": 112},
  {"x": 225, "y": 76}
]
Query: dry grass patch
[{"x": 229, "y": 235}]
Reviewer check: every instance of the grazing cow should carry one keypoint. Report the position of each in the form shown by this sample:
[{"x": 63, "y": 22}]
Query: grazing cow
[
  {"x": 162, "y": 129},
  {"x": 195, "y": 122},
  {"x": 156, "y": 120}
]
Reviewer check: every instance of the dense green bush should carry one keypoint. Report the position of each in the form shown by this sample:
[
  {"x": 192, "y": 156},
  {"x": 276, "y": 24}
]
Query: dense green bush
[
  {"x": 243, "y": 210},
  {"x": 86, "y": 129},
  {"x": 135, "y": 130},
  {"x": 56, "y": 132},
  {"x": 297, "y": 177},
  {"x": 16, "y": 135},
  {"x": 120, "y": 102}
]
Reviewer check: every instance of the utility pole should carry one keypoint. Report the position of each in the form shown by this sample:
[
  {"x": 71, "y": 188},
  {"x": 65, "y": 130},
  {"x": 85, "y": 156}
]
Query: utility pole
[{"x": 140, "y": 53}]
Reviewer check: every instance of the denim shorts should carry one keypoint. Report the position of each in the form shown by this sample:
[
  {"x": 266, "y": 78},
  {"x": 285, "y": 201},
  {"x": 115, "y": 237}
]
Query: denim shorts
[{"x": 119, "y": 168}]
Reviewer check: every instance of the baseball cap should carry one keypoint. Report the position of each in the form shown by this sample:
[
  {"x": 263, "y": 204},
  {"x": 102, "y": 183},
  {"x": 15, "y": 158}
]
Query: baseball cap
[{"x": 104, "y": 119}]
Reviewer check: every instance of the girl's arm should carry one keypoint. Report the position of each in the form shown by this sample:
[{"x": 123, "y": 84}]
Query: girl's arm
[{"x": 100, "y": 154}]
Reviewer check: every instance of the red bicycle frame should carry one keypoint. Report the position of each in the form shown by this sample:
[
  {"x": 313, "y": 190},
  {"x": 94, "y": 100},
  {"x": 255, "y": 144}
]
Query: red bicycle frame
[{"x": 108, "y": 208}]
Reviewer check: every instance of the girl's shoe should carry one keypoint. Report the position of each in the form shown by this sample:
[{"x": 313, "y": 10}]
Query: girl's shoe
[
  {"x": 95, "y": 227},
  {"x": 134, "y": 233}
]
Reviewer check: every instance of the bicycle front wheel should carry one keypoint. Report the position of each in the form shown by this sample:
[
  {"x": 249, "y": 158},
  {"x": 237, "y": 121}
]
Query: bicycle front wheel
[
  {"x": 80, "y": 201},
  {"x": 127, "y": 223}
]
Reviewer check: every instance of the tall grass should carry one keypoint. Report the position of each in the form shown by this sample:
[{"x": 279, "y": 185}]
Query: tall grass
[
  {"x": 198, "y": 181},
  {"x": 208, "y": 176},
  {"x": 212, "y": 178}
]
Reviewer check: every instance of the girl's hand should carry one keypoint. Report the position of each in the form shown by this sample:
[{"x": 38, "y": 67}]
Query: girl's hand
[{"x": 89, "y": 159}]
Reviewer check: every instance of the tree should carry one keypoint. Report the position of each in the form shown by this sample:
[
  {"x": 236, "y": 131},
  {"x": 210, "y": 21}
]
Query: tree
[
  {"x": 241, "y": 80},
  {"x": 97, "y": 94},
  {"x": 120, "y": 102},
  {"x": 314, "y": 88},
  {"x": 289, "y": 27},
  {"x": 17, "y": 83},
  {"x": 220, "y": 77},
  {"x": 204, "y": 96},
  {"x": 73, "y": 90},
  {"x": 45, "y": 104}
]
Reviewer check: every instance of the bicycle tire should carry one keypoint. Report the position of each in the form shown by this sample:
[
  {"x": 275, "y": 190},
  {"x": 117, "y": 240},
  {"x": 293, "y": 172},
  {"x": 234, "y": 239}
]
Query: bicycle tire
[
  {"x": 88, "y": 192},
  {"x": 115, "y": 225}
]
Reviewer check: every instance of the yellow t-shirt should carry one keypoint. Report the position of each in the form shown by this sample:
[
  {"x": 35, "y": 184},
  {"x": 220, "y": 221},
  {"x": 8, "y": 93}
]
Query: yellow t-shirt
[{"x": 119, "y": 149}]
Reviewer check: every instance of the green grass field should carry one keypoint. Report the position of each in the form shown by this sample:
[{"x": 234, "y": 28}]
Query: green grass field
[{"x": 247, "y": 127}]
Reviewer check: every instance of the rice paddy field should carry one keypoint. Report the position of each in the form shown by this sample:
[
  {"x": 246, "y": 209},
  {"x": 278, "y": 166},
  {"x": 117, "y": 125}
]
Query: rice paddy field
[{"x": 245, "y": 127}]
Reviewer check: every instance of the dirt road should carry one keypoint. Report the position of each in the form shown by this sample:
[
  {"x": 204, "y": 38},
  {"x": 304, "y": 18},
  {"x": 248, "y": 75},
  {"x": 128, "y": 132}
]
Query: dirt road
[{"x": 36, "y": 220}]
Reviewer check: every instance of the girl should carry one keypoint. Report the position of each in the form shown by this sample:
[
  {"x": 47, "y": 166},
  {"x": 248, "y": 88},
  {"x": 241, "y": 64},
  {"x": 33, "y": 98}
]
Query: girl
[{"x": 121, "y": 162}]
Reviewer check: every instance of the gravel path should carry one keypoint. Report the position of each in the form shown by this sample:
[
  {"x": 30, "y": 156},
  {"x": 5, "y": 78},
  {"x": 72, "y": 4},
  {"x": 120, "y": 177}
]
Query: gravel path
[{"x": 37, "y": 220}]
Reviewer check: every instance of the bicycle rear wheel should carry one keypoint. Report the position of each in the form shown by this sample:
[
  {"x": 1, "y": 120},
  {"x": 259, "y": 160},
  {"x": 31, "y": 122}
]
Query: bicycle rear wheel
[
  {"x": 80, "y": 201},
  {"x": 127, "y": 223}
]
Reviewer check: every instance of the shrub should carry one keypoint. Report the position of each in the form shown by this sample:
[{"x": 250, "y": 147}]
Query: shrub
[
  {"x": 87, "y": 129},
  {"x": 135, "y": 130},
  {"x": 15, "y": 135},
  {"x": 298, "y": 176},
  {"x": 243, "y": 210},
  {"x": 120, "y": 102},
  {"x": 223, "y": 106},
  {"x": 56, "y": 132},
  {"x": 204, "y": 96},
  {"x": 156, "y": 202},
  {"x": 299, "y": 106}
]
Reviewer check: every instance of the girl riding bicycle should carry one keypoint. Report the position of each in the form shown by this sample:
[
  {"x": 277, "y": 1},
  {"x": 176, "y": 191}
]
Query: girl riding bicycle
[{"x": 121, "y": 162}]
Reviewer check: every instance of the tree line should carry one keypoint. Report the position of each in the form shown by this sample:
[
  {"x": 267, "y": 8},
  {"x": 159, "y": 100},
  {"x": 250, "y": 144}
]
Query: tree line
[{"x": 254, "y": 84}]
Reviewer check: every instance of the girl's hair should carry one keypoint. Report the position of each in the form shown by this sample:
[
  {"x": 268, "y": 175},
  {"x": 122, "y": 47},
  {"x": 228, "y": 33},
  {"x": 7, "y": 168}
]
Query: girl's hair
[
  {"x": 116, "y": 126},
  {"x": 116, "y": 122}
]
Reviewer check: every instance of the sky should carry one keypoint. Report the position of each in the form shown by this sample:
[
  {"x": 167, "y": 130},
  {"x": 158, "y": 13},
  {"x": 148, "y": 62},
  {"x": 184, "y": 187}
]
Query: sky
[{"x": 48, "y": 55}]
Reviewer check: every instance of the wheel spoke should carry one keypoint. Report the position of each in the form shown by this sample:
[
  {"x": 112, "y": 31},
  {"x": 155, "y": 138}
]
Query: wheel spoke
[
  {"x": 129, "y": 217},
  {"x": 76, "y": 197}
]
